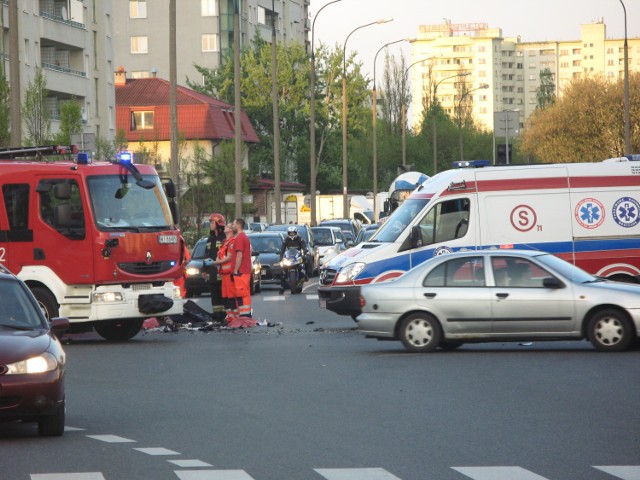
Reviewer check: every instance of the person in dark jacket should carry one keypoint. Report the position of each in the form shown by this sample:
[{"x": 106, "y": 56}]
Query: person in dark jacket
[
  {"x": 293, "y": 240},
  {"x": 214, "y": 242}
]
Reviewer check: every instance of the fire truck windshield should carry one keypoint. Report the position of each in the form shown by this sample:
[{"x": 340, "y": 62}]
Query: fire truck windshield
[
  {"x": 118, "y": 203},
  {"x": 399, "y": 220}
]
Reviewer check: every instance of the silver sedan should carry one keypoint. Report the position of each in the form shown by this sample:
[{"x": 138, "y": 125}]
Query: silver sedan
[{"x": 500, "y": 295}]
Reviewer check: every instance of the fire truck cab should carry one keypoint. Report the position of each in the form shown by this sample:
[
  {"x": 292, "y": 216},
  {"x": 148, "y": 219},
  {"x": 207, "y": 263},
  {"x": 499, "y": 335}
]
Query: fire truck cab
[{"x": 95, "y": 242}]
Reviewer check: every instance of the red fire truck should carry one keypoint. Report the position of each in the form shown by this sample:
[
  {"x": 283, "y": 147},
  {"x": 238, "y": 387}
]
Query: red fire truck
[{"x": 96, "y": 242}]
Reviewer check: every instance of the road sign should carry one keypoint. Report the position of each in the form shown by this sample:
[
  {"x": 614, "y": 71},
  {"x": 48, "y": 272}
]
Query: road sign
[{"x": 506, "y": 123}]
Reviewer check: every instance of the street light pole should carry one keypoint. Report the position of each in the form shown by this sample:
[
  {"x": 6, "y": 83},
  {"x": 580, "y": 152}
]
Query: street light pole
[
  {"x": 374, "y": 125},
  {"x": 434, "y": 122},
  {"x": 627, "y": 119},
  {"x": 462, "y": 97},
  {"x": 404, "y": 110},
  {"x": 276, "y": 119},
  {"x": 312, "y": 122},
  {"x": 345, "y": 200}
]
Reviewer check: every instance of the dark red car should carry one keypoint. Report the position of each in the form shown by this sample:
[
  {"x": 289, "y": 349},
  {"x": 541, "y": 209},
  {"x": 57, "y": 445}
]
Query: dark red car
[{"x": 32, "y": 361}]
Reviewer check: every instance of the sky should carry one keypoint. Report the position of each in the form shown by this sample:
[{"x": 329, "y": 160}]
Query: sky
[{"x": 533, "y": 20}]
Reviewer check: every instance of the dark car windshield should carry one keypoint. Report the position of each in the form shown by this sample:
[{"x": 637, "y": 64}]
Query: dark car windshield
[
  {"x": 119, "y": 204},
  {"x": 262, "y": 243},
  {"x": 322, "y": 236},
  {"x": 17, "y": 311},
  {"x": 399, "y": 220},
  {"x": 198, "y": 250}
]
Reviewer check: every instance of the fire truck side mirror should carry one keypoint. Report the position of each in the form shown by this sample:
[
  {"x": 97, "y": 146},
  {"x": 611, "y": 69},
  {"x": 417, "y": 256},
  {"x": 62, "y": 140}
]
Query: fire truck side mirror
[{"x": 170, "y": 189}]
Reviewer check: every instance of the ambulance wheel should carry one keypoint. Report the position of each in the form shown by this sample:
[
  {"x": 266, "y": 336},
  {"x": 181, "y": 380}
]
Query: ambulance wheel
[
  {"x": 118, "y": 330},
  {"x": 47, "y": 302}
]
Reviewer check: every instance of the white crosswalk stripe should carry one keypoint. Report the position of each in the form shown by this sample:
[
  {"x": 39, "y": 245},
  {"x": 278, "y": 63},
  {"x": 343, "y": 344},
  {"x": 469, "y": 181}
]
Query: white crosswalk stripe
[
  {"x": 622, "y": 472},
  {"x": 498, "y": 473}
]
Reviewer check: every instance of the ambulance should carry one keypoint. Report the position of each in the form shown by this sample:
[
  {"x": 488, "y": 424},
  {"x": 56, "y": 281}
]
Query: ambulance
[
  {"x": 96, "y": 242},
  {"x": 586, "y": 213}
]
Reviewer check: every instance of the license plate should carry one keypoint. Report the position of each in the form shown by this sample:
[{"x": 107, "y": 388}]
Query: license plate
[
  {"x": 167, "y": 239},
  {"x": 264, "y": 271},
  {"x": 323, "y": 303}
]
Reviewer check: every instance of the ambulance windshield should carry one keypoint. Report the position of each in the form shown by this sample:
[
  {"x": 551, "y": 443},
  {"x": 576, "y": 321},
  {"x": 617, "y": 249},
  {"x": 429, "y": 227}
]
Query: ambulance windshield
[
  {"x": 399, "y": 220},
  {"x": 119, "y": 204}
]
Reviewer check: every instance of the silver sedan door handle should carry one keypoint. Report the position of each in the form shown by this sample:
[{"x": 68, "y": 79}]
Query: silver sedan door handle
[
  {"x": 429, "y": 295},
  {"x": 502, "y": 295}
]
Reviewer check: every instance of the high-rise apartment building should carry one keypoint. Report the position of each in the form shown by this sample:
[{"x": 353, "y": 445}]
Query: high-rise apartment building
[
  {"x": 70, "y": 40},
  {"x": 508, "y": 67},
  {"x": 204, "y": 32}
]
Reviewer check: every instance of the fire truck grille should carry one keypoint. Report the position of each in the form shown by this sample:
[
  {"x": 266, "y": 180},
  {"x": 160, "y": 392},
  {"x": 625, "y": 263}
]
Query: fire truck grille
[
  {"x": 327, "y": 276},
  {"x": 142, "y": 268}
]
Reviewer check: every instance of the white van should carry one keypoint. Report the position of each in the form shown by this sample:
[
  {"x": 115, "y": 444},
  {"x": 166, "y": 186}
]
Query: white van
[{"x": 586, "y": 213}]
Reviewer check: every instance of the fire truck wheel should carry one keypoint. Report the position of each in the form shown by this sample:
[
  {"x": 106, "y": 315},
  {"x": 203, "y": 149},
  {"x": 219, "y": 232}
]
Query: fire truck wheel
[
  {"x": 119, "y": 330},
  {"x": 47, "y": 302}
]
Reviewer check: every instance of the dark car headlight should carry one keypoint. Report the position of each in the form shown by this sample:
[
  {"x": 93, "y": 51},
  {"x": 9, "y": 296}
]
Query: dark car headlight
[
  {"x": 45, "y": 362},
  {"x": 192, "y": 271}
]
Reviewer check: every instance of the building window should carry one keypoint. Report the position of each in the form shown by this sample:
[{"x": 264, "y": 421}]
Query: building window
[
  {"x": 137, "y": 8},
  {"x": 209, "y": 42},
  {"x": 208, "y": 8},
  {"x": 262, "y": 16},
  {"x": 139, "y": 45},
  {"x": 142, "y": 120},
  {"x": 482, "y": 48}
]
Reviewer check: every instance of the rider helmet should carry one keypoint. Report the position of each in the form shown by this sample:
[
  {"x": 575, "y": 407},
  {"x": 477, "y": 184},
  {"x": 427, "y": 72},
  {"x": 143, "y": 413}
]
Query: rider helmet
[
  {"x": 292, "y": 232},
  {"x": 217, "y": 218}
]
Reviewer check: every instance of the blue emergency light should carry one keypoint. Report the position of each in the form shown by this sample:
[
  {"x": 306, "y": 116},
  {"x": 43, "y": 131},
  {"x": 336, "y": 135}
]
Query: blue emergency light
[
  {"x": 83, "y": 159},
  {"x": 125, "y": 157},
  {"x": 471, "y": 163}
]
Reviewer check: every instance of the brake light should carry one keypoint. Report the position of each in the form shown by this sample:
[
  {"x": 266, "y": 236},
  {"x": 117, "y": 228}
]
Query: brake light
[{"x": 362, "y": 301}]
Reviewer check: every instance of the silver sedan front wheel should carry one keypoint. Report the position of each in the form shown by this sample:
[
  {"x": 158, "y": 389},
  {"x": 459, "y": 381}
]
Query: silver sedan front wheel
[
  {"x": 420, "y": 332},
  {"x": 610, "y": 331}
]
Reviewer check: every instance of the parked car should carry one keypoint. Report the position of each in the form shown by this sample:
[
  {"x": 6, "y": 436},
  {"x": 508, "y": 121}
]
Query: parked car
[
  {"x": 195, "y": 284},
  {"x": 366, "y": 232},
  {"x": 330, "y": 242},
  {"x": 311, "y": 257},
  {"x": 498, "y": 295},
  {"x": 349, "y": 226},
  {"x": 267, "y": 245},
  {"x": 32, "y": 361}
]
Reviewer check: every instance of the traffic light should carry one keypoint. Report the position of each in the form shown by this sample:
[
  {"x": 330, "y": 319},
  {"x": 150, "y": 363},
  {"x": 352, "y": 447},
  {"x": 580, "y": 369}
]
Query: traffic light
[{"x": 501, "y": 154}]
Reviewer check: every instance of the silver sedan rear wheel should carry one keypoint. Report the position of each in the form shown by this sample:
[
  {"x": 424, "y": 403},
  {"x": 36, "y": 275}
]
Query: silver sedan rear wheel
[
  {"x": 610, "y": 331},
  {"x": 420, "y": 332}
]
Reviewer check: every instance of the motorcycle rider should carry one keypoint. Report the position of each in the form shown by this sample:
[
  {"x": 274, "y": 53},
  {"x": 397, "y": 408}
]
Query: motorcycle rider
[{"x": 293, "y": 240}]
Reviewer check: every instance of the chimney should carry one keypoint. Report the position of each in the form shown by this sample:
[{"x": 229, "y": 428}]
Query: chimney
[
  {"x": 154, "y": 72},
  {"x": 121, "y": 77}
]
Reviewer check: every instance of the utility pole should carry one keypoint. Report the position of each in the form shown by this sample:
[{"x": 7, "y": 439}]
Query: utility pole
[
  {"x": 276, "y": 119},
  {"x": 237, "y": 110},
  {"x": 173, "y": 98}
]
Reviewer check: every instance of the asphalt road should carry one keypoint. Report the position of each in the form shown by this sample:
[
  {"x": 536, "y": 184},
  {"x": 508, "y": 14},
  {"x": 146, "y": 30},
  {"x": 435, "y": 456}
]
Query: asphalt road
[{"x": 312, "y": 399}]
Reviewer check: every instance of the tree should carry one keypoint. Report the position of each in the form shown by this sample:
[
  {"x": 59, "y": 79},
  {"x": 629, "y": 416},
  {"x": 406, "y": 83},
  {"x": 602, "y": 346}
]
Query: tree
[
  {"x": 546, "y": 92},
  {"x": 394, "y": 93},
  {"x": 585, "y": 123},
  {"x": 70, "y": 121},
  {"x": 36, "y": 117},
  {"x": 5, "y": 112}
]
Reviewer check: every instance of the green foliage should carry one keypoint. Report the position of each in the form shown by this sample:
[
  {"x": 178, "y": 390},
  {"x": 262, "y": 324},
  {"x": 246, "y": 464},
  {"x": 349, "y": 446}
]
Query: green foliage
[
  {"x": 5, "y": 112},
  {"x": 585, "y": 124},
  {"x": 36, "y": 117},
  {"x": 70, "y": 121},
  {"x": 545, "y": 93}
]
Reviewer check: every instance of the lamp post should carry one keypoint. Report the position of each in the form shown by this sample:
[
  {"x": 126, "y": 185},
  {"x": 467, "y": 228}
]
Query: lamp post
[
  {"x": 462, "y": 97},
  {"x": 404, "y": 110},
  {"x": 434, "y": 126},
  {"x": 312, "y": 122},
  {"x": 375, "y": 131},
  {"x": 345, "y": 201},
  {"x": 627, "y": 119}
]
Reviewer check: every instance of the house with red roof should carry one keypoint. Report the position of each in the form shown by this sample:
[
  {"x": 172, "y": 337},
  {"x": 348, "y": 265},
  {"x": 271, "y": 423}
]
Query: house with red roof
[{"x": 143, "y": 113}]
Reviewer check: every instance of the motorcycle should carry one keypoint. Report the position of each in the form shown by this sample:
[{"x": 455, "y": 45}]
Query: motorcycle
[{"x": 293, "y": 270}]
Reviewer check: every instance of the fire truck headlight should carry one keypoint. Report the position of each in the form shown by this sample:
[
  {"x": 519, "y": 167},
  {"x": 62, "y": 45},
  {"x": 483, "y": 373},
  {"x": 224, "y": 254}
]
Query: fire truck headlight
[
  {"x": 107, "y": 297},
  {"x": 176, "y": 292},
  {"x": 349, "y": 273}
]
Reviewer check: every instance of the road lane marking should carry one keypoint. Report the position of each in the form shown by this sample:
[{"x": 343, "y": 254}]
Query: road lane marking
[
  {"x": 157, "y": 451},
  {"x": 356, "y": 474},
  {"x": 498, "y": 473},
  {"x": 190, "y": 463},
  {"x": 67, "y": 476},
  {"x": 625, "y": 472},
  {"x": 111, "y": 439},
  {"x": 212, "y": 475}
]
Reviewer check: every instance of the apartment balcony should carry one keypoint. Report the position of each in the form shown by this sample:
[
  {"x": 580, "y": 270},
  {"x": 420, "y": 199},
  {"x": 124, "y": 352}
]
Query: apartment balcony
[
  {"x": 66, "y": 80},
  {"x": 56, "y": 28}
]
